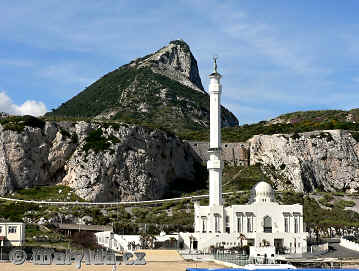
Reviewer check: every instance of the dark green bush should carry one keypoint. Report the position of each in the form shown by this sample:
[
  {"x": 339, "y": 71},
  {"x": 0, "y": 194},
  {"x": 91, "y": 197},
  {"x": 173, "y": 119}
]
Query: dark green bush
[
  {"x": 341, "y": 204},
  {"x": 96, "y": 141},
  {"x": 64, "y": 133},
  {"x": 355, "y": 135},
  {"x": 18, "y": 123}
]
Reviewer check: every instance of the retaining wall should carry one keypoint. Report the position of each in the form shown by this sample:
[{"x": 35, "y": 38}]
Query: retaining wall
[
  {"x": 232, "y": 153},
  {"x": 319, "y": 248}
]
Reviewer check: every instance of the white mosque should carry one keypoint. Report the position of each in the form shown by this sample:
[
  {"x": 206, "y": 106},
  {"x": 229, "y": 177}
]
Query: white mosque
[{"x": 262, "y": 224}]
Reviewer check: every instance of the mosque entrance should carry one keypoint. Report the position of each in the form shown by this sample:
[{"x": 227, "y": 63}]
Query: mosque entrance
[
  {"x": 267, "y": 223},
  {"x": 279, "y": 243}
]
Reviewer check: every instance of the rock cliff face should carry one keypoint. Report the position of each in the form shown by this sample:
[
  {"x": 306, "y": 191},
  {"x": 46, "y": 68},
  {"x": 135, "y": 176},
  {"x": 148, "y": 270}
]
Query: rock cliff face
[
  {"x": 101, "y": 162},
  {"x": 104, "y": 162},
  {"x": 324, "y": 159}
]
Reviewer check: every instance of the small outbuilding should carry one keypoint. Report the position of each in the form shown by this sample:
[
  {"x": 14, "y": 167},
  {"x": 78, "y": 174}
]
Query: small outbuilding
[{"x": 12, "y": 233}]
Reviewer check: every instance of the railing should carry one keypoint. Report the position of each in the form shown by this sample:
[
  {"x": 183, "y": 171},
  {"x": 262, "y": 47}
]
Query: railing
[
  {"x": 344, "y": 242},
  {"x": 242, "y": 260},
  {"x": 195, "y": 255},
  {"x": 144, "y": 202}
]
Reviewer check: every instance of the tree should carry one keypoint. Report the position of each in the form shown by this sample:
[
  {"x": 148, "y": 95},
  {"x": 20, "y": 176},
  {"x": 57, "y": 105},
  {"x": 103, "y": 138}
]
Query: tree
[
  {"x": 242, "y": 237},
  {"x": 85, "y": 239},
  {"x": 147, "y": 239},
  {"x": 123, "y": 227}
]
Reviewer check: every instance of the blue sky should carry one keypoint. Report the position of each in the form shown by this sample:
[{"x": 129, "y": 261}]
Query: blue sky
[{"x": 275, "y": 56}]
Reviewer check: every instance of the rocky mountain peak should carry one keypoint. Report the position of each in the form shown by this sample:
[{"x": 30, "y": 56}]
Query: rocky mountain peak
[
  {"x": 175, "y": 61},
  {"x": 163, "y": 89}
]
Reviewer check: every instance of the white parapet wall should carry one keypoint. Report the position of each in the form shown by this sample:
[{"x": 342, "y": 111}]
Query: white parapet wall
[
  {"x": 349, "y": 244},
  {"x": 269, "y": 251},
  {"x": 117, "y": 242},
  {"x": 319, "y": 248}
]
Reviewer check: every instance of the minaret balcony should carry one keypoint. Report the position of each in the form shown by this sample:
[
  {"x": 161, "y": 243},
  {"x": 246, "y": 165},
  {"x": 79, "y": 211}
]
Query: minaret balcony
[
  {"x": 215, "y": 75},
  {"x": 214, "y": 149},
  {"x": 215, "y": 90}
]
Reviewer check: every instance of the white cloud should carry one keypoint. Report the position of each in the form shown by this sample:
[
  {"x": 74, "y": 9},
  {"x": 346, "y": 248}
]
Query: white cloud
[
  {"x": 6, "y": 104},
  {"x": 34, "y": 108},
  {"x": 29, "y": 107}
]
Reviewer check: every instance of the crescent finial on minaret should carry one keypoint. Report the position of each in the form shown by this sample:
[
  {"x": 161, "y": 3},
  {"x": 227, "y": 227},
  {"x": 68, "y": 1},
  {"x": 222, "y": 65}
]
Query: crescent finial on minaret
[{"x": 215, "y": 64}]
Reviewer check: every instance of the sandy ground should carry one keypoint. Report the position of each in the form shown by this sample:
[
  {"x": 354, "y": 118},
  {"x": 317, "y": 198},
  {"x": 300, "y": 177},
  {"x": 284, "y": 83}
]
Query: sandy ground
[
  {"x": 157, "y": 260},
  {"x": 350, "y": 266},
  {"x": 155, "y": 266}
]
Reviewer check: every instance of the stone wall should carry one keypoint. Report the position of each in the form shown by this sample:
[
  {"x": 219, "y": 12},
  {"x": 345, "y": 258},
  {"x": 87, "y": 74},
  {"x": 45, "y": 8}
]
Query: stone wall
[{"x": 232, "y": 153}]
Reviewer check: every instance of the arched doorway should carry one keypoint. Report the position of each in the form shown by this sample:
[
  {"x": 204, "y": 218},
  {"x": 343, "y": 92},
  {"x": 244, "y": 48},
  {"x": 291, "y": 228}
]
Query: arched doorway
[
  {"x": 267, "y": 223},
  {"x": 195, "y": 244}
]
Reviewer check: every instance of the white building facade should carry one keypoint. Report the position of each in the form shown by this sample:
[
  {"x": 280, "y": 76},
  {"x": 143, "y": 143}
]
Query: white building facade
[
  {"x": 263, "y": 224},
  {"x": 119, "y": 242},
  {"x": 12, "y": 233}
]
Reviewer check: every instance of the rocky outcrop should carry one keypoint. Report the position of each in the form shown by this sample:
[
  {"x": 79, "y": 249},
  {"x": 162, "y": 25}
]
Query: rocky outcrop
[
  {"x": 176, "y": 62},
  {"x": 104, "y": 162},
  {"x": 101, "y": 162},
  {"x": 326, "y": 160}
]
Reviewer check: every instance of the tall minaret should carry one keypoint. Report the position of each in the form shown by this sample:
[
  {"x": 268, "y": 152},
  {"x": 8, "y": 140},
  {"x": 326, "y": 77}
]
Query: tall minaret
[{"x": 214, "y": 164}]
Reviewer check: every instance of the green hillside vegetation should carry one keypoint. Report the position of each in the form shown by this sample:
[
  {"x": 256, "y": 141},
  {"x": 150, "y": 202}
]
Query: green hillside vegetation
[
  {"x": 99, "y": 96},
  {"x": 97, "y": 142},
  {"x": 326, "y": 200},
  {"x": 106, "y": 94},
  {"x": 18, "y": 123},
  {"x": 299, "y": 122},
  {"x": 336, "y": 217},
  {"x": 246, "y": 131},
  {"x": 322, "y": 219},
  {"x": 167, "y": 216},
  {"x": 320, "y": 115},
  {"x": 229, "y": 134},
  {"x": 237, "y": 178},
  {"x": 47, "y": 193},
  {"x": 237, "y": 198}
]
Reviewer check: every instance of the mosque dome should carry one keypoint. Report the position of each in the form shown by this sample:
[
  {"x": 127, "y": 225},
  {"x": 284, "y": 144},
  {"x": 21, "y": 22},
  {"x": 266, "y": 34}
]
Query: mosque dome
[{"x": 262, "y": 192}]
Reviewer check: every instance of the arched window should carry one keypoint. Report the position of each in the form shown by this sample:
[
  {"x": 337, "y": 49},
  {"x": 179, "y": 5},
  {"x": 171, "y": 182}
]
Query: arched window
[
  {"x": 296, "y": 224},
  {"x": 204, "y": 223},
  {"x": 217, "y": 223},
  {"x": 267, "y": 223}
]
